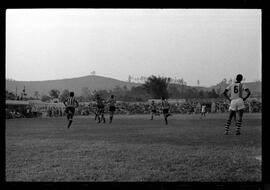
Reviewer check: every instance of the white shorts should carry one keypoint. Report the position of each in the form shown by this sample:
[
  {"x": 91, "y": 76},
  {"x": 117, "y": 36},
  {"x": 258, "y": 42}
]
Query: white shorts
[{"x": 237, "y": 104}]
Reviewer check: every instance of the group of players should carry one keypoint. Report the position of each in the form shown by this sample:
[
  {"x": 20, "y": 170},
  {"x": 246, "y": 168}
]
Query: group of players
[{"x": 236, "y": 106}]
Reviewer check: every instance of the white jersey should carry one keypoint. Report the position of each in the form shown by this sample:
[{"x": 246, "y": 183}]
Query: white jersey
[
  {"x": 203, "y": 108},
  {"x": 236, "y": 90}
]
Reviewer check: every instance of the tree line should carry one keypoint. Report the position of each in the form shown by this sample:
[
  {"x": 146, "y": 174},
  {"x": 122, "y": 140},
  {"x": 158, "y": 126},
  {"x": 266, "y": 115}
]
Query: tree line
[{"x": 154, "y": 87}]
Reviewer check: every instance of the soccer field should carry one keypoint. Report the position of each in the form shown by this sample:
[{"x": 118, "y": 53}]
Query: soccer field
[{"x": 133, "y": 148}]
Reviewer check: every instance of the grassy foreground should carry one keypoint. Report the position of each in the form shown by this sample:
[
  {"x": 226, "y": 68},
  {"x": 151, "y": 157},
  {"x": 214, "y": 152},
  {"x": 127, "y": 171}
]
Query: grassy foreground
[{"x": 133, "y": 148}]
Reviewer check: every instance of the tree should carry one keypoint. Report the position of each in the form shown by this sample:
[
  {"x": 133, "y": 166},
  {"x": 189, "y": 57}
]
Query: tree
[
  {"x": 86, "y": 94},
  {"x": 54, "y": 93},
  {"x": 45, "y": 98},
  {"x": 10, "y": 96},
  {"x": 201, "y": 94},
  {"x": 129, "y": 78},
  {"x": 214, "y": 94},
  {"x": 64, "y": 95},
  {"x": 157, "y": 86},
  {"x": 36, "y": 94},
  {"x": 138, "y": 93},
  {"x": 173, "y": 90},
  {"x": 104, "y": 94}
]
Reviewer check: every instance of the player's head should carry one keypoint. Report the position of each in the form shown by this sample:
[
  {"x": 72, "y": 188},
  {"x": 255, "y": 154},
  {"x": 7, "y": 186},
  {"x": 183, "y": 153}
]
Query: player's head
[
  {"x": 71, "y": 94},
  {"x": 112, "y": 96},
  {"x": 98, "y": 97},
  {"x": 162, "y": 98},
  {"x": 153, "y": 101},
  {"x": 239, "y": 78}
]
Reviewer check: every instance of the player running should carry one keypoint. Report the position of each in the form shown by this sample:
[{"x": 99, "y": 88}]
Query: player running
[
  {"x": 237, "y": 103},
  {"x": 165, "y": 107},
  {"x": 95, "y": 110},
  {"x": 203, "y": 110},
  {"x": 100, "y": 109},
  {"x": 111, "y": 101},
  {"x": 153, "y": 109},
  {"x": 70, "y": 103}
]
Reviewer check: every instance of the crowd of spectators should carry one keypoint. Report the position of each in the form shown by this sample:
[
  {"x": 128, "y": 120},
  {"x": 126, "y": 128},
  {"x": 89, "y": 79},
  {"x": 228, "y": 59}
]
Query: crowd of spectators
[{"x": 188, "y": 107}]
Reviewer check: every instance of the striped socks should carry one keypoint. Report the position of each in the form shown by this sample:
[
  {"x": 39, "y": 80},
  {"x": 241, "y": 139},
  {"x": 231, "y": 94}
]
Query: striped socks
[
  {"x": 238, "y": 127},
  {"x": 227, "y": 126}
]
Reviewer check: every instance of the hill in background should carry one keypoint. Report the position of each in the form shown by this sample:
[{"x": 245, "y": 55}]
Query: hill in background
[
  {"x": 94, "y": 82},
  {"x": 73, "y": 84}
]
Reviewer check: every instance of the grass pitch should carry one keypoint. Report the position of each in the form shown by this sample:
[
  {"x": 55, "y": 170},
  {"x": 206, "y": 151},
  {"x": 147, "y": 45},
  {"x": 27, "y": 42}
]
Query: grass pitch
[{"x": 133, "y": 148}]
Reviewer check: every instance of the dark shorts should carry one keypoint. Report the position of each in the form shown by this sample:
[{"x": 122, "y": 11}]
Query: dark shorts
[
  {"x": 154, "y": 111},
  {"x": 165, "y": 111},
  {"x": 70, "y": 109},
  {"x": 100, "y": 106},
  {"x": 112, "y": 108},
  {"x": 100, "y": 110}
]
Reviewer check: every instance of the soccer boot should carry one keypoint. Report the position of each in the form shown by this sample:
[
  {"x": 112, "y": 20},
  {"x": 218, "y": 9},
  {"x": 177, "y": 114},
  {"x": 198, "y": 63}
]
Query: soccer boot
[{"x": 237, "y": 133}]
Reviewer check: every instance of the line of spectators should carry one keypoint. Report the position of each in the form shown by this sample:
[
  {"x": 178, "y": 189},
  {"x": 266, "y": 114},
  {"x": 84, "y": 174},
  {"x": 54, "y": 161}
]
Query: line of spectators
[{"x": 188, "y": 107}]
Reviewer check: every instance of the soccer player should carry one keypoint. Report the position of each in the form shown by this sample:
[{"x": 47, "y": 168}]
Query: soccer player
[
  {"x": 165, "y": 108},
  {"x": 94, "y": 110},
  {"x": 203, "y": 110},
  {"x": 111, "y": 103},
  {"x": 237, "y": 103},
  {"x": 70, "y": 103},
  {"x": 153, "y": 109},
  {"x": 100, "y": 109}
]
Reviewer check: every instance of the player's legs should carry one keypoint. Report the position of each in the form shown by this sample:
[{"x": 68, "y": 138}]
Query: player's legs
[
  {"x": 240, "y": 106},
  {"x": 98, "y": 115},
  {"x": 152, "y": 114},
  {"x": 165, "y": 113},
  {"x": 67, "y": 112},
  {"x": 111, "y": 116},
  {"x": 228, "y": 123},
  {"x": 71, "y": 114},
  {"x": 240, "y": 114},
  {"x": 111, "y": 109},
  {"x": 102, "y": 115}
]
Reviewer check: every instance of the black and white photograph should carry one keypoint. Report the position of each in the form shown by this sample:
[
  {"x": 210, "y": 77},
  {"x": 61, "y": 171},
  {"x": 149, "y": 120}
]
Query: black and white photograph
[{"x": 133, "y": 95}]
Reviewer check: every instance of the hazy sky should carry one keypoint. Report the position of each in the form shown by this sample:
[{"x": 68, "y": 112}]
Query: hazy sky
[{"x": 194, "y": 44}]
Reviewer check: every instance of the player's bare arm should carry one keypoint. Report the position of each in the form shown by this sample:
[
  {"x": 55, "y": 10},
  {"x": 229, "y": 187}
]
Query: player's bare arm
[
  {"x": 225, "y": 93},
  {"x": 77, "y": 104},
  {"x": 65, "y": 101},
  {"x": 248, "y": 94}
]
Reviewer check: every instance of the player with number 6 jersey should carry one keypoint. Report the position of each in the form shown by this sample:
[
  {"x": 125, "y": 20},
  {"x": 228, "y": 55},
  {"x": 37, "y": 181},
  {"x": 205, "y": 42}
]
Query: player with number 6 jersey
[{"x": 237, "y": 102}]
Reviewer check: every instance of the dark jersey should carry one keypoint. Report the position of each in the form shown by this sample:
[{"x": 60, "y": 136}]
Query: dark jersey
[
  {"x": 100, "y": 103},
  {"x": 111, "y": 102},
  {"x": 153, "y": 106},
  {"x": 71, "y": 102},
  {"x": 165, "y": 104}
]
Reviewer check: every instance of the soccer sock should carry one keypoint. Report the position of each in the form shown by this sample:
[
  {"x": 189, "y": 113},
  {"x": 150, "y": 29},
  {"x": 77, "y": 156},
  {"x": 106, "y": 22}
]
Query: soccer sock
[
  {"x": 166, "y": 121},
  {"x": 227, "y": 125},
  {"x": 70, "y": 121},
  {"x": 238, "y": 126}
]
